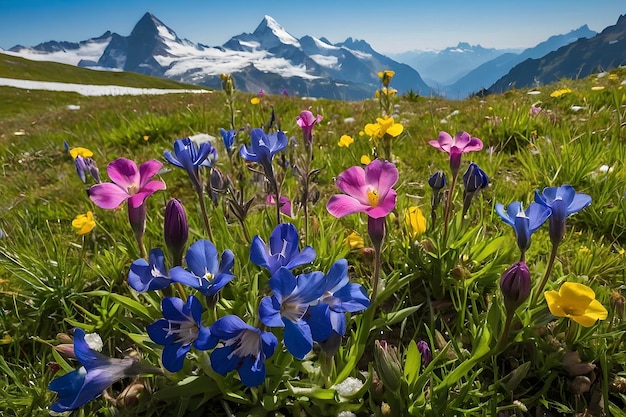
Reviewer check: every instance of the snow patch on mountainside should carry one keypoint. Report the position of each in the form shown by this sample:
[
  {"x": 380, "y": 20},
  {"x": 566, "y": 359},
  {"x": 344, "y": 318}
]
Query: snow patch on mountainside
[
  {"x": 91, "y": 50},
  {"x": 91, "y": 90}
]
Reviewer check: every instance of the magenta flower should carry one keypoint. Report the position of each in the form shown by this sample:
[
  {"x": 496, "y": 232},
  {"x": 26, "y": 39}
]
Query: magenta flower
[
  {"x": 456, "y": 147},
  {"x": 130, "y": 184},
  {"x": 306, "y": 121},
  {"x": 366, "y": 190},
  {"x": 285, "y": 204}
]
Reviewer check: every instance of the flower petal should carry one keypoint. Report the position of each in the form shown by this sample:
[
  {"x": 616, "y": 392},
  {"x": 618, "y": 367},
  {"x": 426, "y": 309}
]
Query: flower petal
[
  {"x": 340, "y": 205},
  {"x": 124, "y": 173},
  {"x": 352, "y": 182},
  {"x": 382, "y": 176},
  {"x": 298, "y": 339},
  {"x": 269, "y": 312},
  {"x": 147, "y": 170},
  {"x": 107, "y": 195},
  {"x": 579, "y": 202},
  {"x": 554, "y": 303},
  {"x": 576, "y": 296}
]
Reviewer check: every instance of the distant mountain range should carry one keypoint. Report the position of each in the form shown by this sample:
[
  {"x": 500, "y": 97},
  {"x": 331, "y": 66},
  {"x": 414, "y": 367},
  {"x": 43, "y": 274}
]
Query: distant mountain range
[
  {"x": 444, "y": 67},
  {"x": 268, "y": 58},
  {"x": 578, "y": 59},
  {"x": 273, "y": 60},
  {"x": 468, "y": 69}
]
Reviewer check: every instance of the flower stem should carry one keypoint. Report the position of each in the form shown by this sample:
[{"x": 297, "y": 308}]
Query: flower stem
[
  {"x": 547, "y": 274},
  {"x": 377, "y": 264},
  {"x": 205, "y": 216},
  {"x": 446, "y": 217},
  {"x": 505, "y": 333}
]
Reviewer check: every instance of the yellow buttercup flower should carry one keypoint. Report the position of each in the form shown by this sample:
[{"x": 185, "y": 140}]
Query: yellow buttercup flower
[
  {"x": 414, "y": 221},
  {"x": 84, "y": 152},
  {"x": 365, "y": 160},
  {"x": 354, "y": 241},
  {"x": 384, "y": 126},
  {"x": 255, "y": 100},
  {"x": 559, "y": 93},
  {"x": 146, "y": 138},
  {"x": 386, "y": 92},
  {"x": 576, "y": 301},
  {"x": 345, "y": 141},
  {"x": 84, "y": 223},
  {"x": 386, "y": 76}
]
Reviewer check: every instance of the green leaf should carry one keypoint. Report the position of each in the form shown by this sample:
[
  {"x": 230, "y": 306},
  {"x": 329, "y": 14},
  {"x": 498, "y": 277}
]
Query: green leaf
[
  {"x": 394, "y": 317},
  {"x": 412, "y": 363},
  {"x": 130, "y": 304}
]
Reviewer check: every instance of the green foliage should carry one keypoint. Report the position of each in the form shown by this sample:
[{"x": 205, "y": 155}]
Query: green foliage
[{"x": 440, "y": 286}]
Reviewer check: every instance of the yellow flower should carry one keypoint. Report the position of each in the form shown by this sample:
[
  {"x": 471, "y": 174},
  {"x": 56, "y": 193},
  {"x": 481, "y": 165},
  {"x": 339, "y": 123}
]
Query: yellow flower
[
  {"x": 365, "y": 160},
  {"x": 354, "y": 241},
  {"x": 597, "y": 88},
  {"x": 84, "y": 223},
  {"x": 576, "y": 301},
  {"x": 559, "y": 93},
  {"x": 386, "y": 76},
  {"x": 386, "y": 92},
  {"x": 384, "y": 126},
  {"x": 255, "y": 100},
  {"x": 84, "y": 152},
  {"x": 345, "y": 141},
  {"x": 146, "y": 138},
  {"x": 414, "y": 221}
]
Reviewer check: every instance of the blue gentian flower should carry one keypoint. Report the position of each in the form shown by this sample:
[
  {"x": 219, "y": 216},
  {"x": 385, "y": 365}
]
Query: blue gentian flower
[
  {"x": 563, "y": 201},
  {"x": 245, "y": 349},
  {"x": 288, "y": 305},
  {"x": 206, "y": 273},
  {"x": 96, "y": 374},
  {"x": 228, "y": 136},
  {"x": 148, "y": 276},
  {"x": 525, "y": 222},
  {"x": 178, "y": 330},
  {"x": 327, "y": 318},
  {"x": 190, "y": 158},
  {"x": 281, "y": 251},
  {"x": 263, "y": 148}
]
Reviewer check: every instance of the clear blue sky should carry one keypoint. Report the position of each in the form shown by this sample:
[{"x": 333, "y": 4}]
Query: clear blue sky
[{"x": 390, "y": 27}]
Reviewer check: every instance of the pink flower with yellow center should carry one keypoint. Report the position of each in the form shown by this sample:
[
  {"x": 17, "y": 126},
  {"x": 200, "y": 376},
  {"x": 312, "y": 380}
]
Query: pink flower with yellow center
[
  {"x": 130, "y": 183},
  {"x": 368, "y": 190}
]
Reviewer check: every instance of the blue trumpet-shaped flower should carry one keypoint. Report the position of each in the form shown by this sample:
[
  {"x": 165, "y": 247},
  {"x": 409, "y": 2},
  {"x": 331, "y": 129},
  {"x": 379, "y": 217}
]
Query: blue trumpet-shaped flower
[
  {"x": 190, "y": 157},
  {"x": 327, "y": 318},
  {"x": 474, "y": 180},
  {"x": 282, "y": 250},
  {"x": 96, "y": 374},
  {"x": 205, "y": 272},
  {"x": 147, "y": 276},
  {"x": 244, "y": 348},
  {"x": 525, "y": 222},
  {"x": 228, "y": 136},
  {"x": 563, "y": 201},
  {"x": 263, "y": 148},
  {"x": 288, "y": 305},
  {"x": 179, "y": 330}
]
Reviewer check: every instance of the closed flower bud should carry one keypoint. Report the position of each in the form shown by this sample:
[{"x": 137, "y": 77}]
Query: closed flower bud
[
  {"x": 388, "y": 365},
  {"x": 176, "y": 230},
  {"x": 515, "y": 286},
  {"x": 437, "y": 181},
  {"x": 424, "y": 350}
]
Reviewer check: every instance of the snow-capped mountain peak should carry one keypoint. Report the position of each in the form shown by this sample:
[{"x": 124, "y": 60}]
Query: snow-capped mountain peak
[{"x": 272, "y": 34}]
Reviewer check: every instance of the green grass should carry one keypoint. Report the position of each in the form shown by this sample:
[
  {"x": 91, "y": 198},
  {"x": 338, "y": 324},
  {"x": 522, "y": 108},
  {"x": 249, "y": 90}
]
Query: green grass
[{"x": 445, "y": 291}]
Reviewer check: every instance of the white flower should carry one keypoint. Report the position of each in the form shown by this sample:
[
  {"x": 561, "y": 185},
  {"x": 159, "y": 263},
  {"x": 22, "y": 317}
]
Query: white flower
[{"x": 348, "y": 386}]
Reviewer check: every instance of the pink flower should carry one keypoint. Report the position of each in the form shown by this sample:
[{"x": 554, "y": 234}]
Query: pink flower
[
  {"x": 456, "y": 147},
  {"x": 366, "y": 190},
  {"x": 285, "y": 204},
  {"x": 306, "y": 121},
  {"x": 130, "y": 184}
]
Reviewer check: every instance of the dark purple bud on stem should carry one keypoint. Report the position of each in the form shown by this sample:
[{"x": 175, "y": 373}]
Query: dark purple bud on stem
[
  {"x": 424, "y": 350},
  {"x": 515, "y": 286},
  {"x": 176, "y": 230}
]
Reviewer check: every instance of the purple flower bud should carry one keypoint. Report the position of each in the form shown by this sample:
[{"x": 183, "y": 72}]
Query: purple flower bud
[
  {"x": 515, "y": 286},
  {"x": 176, "y": 230},
  {"x": 376, "y": 230},
  {"x": 437, "y": 181},
  {"x": 424, "y": 349},
  {"x": 81, "y": 167}
]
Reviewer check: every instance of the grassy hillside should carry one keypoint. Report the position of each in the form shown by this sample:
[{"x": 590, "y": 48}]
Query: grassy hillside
[
  {"x": 440, "y": 283},
  {"x": 25, "y": 69}
]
